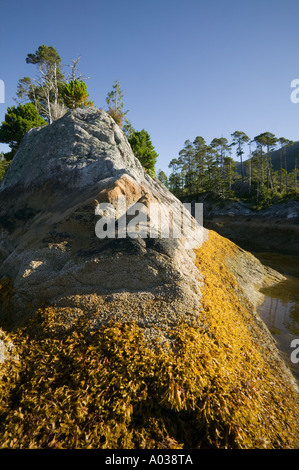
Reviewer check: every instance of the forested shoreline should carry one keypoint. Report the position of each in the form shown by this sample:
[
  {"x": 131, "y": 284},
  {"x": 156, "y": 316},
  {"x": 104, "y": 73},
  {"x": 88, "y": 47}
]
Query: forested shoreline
[{"x": 202, "y": 168}]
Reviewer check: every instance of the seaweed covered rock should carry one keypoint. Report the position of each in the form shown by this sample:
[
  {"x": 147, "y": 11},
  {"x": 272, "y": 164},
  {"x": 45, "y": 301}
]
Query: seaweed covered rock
[{"x": 127, "y": 341}]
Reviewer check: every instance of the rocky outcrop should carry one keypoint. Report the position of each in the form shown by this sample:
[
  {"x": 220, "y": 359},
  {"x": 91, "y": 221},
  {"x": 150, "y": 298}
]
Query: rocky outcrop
[
  {"x": 49, "y": 200},
  {"x": 49, "y": 203},
  {"x": 52, "y": 254}
]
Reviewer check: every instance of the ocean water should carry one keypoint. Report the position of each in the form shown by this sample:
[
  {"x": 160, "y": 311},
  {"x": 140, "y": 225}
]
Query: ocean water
[{"x": 280, "y": 309}]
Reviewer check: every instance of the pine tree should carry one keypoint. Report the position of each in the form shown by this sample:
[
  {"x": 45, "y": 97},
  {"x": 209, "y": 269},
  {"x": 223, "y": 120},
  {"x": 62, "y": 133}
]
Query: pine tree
[
  {"x": 4, "y": 164},
  {"x": 175, "y": 179},
  {"x": 162, "y": 177},
  {"x": 144, "y": 150},
  {"x": 213, "y": 174},
  {"x": 18, "y": 121},
  {"x": 186, "y": 161},
  {"x": 229, "y": 173},
  {"x": 296, "y": 171},
  {"x": 222, "y": 149},
  {"x": 75, "y": 94},
  {"x": 284, "y": 143},
  {"x": 45, "y": 92},
  {"x": 200, "y": 162},
  {"x": 239, "y": 139},
  {"x": 115, "y": 104}
]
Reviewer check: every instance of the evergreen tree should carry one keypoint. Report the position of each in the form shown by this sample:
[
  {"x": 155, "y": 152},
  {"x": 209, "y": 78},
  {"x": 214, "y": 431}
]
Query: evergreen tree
[
  {"x": 213, "y": 174},
  {"x": 200, "y": 163},
  {"x": 162, "y": 177},
  {"x": 222, "y": 149},
  {"x": 144, "y": 150},
  {"x": 115, "y": 104},
  {"x": 52, "y": 93},
  {"x": 270, "y": 142},
  {"x": 175, "y": 184},
  {"x": 45, "y": 92},
  {"x": 128, "y": 129},
  {"x": 18, "y": 121},
  {"x": 75, "y": 94},
  {"x": 186, "y": 162},
  {"x": 229, "y": 173},
  {"x": 239, "y": 139},
  {"x": 296, "y": 172},
  {"x": 4, "y": 164},
  {"x": 284, "y": 143},
  {"x": 175, "y": 179},
  {"x": 259, "y": 141},
  {"x": 267, "y": 140}
]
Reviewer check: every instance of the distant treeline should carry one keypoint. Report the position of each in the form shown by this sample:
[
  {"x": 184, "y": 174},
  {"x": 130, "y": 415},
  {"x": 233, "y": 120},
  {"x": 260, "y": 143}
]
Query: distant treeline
[{"x": 201, "y": 168}]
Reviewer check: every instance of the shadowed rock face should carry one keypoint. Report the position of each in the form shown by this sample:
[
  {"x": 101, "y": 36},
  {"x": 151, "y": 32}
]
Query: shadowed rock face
[{"x": 50, "y": 200}]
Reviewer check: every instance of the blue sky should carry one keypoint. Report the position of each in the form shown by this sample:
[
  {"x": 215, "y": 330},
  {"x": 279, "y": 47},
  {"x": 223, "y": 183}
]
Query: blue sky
[{"x": 186, "y": 67}]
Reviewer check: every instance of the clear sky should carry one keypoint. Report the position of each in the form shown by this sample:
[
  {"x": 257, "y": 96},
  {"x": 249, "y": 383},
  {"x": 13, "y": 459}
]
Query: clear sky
[{"x": 186, "y": 67}]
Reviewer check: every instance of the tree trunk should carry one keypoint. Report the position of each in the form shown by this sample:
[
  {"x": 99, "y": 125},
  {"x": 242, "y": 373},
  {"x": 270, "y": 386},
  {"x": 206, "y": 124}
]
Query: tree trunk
[
  {"x": 280, "y": 178},
  {"x": 286, "y": 170},
  {"x": 250, "y": 173},
  {"x": 270, "y": 170},
  {"x": 241, "y": 160}
]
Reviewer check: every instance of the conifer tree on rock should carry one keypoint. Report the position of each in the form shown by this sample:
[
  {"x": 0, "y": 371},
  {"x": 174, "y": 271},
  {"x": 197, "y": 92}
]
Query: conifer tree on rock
[
  {"x": 115, "y": 104},
  {"x": 75, "y": 94},
  {"x": 144, "y": 150},
  {"x": 45, "y": 92},
  {"x": 18, "y": 121}
]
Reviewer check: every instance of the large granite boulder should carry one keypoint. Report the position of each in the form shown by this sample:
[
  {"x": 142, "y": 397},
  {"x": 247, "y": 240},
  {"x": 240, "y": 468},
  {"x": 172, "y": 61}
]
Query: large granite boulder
[
  {"x": 77, "y": 180},
  {"x": 50, "y": 203}
]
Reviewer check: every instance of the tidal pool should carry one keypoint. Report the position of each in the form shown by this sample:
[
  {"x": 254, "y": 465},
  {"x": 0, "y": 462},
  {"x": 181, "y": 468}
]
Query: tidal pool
[{"x": 280, "y": 310}]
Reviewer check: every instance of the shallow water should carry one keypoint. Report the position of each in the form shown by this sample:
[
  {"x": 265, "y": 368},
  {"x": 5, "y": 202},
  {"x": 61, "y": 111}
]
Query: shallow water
[{"x": 280, "y": 310}]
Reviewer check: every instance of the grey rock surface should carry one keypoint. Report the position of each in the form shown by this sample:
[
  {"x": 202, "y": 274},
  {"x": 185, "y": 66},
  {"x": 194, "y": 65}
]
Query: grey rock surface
[
  {"x": 50, "y": 203},
  {"x": 69, "y": 152}
]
